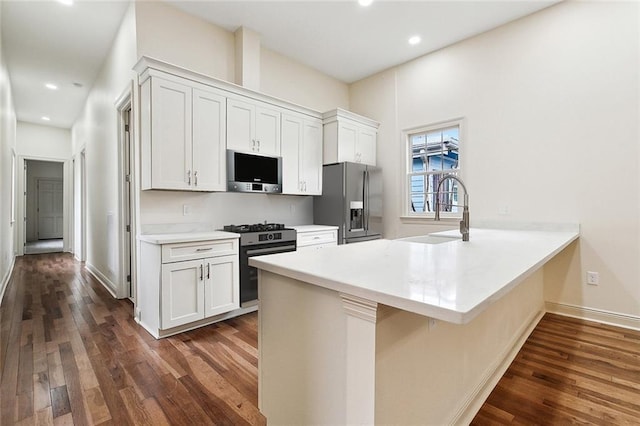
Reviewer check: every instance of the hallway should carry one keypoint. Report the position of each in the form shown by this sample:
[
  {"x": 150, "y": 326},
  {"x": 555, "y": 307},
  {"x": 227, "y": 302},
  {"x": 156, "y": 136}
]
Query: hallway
[
  {"x": 44, "y": 246},
  {"x": 72, "y": 354}
]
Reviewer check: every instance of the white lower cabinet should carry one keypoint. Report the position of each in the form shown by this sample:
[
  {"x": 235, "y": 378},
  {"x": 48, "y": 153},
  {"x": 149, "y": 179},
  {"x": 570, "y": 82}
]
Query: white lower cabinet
[
  {"x": 196, "y": 281},
  {"x": 312, "y": 237}
]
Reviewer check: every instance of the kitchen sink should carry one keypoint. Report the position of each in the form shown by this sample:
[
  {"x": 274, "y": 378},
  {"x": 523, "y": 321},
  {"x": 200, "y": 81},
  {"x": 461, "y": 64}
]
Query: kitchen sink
[{"x": 429, "y": 239}]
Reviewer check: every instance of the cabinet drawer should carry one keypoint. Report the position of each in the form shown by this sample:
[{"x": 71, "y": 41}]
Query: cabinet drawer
[
  {"x": 198, "y": 250},
  {"x": 317, "y": 237}
]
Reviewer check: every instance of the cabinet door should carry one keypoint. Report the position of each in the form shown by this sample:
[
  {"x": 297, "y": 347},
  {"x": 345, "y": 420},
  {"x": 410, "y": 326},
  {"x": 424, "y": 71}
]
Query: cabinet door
[
  {"x": 240, "y": 126},
  {"x": 182, "y": 293},
  {"x": 209, "y": 131},
  {"x": 170, "y": 135},
  {"x": 291, "y": 143},
  {"x": 267, "y": 130},
  {"x": 347, "y": 136},
  {"x": 222, "y": 285},
  {"x": 366, "y": 146},
  {"x": 311, "y": 158}
]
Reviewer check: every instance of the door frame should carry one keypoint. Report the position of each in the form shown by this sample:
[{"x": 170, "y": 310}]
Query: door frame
[
  {"x": 127, "y": 195},
  {"x": 67, "y": 200}
]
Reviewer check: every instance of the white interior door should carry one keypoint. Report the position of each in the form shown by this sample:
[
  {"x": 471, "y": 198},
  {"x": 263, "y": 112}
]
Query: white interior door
[{"x": 50, "y": 202}]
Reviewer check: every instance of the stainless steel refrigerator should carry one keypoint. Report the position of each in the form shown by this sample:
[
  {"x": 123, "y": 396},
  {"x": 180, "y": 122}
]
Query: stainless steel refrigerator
[{"x": 351, "y": 200}]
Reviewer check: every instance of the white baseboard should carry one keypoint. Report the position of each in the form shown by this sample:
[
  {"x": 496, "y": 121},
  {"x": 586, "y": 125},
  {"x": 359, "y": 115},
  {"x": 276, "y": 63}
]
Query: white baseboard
[
  {"x": 7, "y": 276},
  {"x": 494, "y": 373},
  {"x": 597, "y": 315},
  {"x": 102, "y": 279}
]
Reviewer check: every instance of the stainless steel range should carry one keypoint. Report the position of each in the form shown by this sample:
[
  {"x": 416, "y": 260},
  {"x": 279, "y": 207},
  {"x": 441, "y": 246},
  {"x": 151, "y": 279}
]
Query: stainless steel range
[{"x": 257, "y": 240}]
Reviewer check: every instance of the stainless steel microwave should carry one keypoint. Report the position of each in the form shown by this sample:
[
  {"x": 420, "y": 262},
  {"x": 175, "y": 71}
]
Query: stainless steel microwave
[{"x": 253, "y": 173}]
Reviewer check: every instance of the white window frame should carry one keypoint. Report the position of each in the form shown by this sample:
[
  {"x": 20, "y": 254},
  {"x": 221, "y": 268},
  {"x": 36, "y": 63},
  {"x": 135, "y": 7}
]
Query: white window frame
[{"x": 407, "y": 154}]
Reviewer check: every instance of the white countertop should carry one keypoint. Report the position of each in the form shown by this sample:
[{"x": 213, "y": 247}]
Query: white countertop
[
  {"x": 186, "y": 237},
  {"x": 312, "y": 228},
  {"x": 452, "y": 281}
]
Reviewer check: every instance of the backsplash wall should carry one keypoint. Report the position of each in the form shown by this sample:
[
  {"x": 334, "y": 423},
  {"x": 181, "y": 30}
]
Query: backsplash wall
[{"x": 164, "y": 211}]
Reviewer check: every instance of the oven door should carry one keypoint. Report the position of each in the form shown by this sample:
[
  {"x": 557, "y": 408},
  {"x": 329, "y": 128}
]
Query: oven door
[{"x": 249, "y": 274}]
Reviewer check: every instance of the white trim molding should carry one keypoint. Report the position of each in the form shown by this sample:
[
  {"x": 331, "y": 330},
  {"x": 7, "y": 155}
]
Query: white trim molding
[
  {"x": 360, "y": 308},
  {"x": 592, "y": 314},
  {"x": 102, "y": 279},
  {"x": 360, "y": 344},
  {"x": 7, "y": 277}
]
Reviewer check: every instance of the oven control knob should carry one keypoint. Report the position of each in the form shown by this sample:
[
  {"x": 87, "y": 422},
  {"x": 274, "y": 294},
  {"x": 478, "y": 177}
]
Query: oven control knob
[{"x": 270, "y": 236}]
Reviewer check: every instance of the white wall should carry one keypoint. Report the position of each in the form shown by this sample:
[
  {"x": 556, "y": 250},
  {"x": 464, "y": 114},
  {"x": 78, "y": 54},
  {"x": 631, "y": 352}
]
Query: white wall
[
  {"x": 38, "y": 141},
  {"x": 290, "y": 80},
  {"x": 38, "y": 170},
  {"x": 171, "y": 35},
  {"x": 7, "y": 148},
  {"x": 551, "y": 104},
  {"x": 96, "y": 131}
]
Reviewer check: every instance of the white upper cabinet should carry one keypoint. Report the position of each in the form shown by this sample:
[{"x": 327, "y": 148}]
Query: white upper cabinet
[
  {"x": 253, "y": 126},
  {"x": 349, "y": 137},
  {"x": 301, "y": 155},
  {"x": 209, "y": 131},
  {"x": 189, "y": 120},
  {"x": 182, "y": 136}
]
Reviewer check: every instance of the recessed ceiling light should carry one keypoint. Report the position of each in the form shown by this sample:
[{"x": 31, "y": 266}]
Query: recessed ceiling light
[
  {"x": 414, "y": 40},
  {"x": 45, "y": 118},
  {"x": 51, "y": 86},
  {"x": 365, "y": 3},
  {"x": 66, "y": 2}
]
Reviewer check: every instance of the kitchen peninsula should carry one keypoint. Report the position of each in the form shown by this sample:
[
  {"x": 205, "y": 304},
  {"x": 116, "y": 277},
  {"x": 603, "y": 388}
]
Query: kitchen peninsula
[{"x": 398, "y": 331}]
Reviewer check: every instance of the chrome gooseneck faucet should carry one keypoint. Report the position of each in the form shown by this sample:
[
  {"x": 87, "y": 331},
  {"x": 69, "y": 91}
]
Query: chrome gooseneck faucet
[{"x": 464, "y": 223}]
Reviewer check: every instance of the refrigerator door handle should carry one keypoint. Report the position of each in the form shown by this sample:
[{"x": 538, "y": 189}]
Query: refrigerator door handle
[{"x": 366, "y": 200}]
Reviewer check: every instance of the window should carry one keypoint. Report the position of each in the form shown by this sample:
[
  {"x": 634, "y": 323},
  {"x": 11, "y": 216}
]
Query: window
[{"x": 432, "y": 153}]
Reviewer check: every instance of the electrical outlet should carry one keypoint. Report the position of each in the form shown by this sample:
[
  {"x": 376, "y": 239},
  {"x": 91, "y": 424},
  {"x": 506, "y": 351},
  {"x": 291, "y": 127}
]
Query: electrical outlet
[
  {"x": 504, "y": 210},
  {"x": 593, "y": 278},
  {"x": 186, "y": 209}
]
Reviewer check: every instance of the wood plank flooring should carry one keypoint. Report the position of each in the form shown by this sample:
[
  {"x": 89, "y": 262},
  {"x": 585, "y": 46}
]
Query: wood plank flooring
[
  {"x": 72, "y": 354},
  {"x": 569, "y": 371}
]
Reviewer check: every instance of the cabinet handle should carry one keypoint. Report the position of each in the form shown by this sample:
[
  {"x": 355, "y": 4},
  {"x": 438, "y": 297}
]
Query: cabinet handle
[
  {"x": 205, "y": 249},
  {"x": 189, "y": 177},
  {"x": 258, "y": 145},
  {"x": 201, "y": 272},
  {"x": 253, "y": 144},
  {"x": 208, "y": 270},
  {"x": 195, "y": 178}
]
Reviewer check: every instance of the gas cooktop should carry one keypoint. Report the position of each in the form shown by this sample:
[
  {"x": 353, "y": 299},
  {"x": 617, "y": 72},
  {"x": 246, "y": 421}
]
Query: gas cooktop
[{"x": 256, "y": 227}]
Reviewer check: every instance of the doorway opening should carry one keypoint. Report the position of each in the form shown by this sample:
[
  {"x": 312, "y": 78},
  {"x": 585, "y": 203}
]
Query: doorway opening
[{"x": 43, "y": 207}]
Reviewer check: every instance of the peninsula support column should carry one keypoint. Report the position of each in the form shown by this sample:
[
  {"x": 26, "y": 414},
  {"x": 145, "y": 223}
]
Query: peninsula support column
[{"x": 361, "y": 359}]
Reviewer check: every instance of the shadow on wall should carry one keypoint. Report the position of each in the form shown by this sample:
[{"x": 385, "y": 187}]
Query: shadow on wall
[{"x": 560, "y": 275}]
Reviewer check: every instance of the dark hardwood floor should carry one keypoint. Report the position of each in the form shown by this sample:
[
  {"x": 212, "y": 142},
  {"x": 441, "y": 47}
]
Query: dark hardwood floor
[
  {"x": 570, "y": 371},
  {"x": 72, "y": 354}
]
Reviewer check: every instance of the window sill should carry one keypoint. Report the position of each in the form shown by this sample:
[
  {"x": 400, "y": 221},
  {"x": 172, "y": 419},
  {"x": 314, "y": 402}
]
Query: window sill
[{"x": 429, "y": 220}]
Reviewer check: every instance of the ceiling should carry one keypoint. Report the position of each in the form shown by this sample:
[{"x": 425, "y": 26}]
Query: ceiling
[{"x": 46, "y": 41}]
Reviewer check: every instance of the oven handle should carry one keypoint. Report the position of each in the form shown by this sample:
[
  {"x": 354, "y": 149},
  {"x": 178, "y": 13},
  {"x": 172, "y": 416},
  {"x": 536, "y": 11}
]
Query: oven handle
[{"x": 271, "y": 250}]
